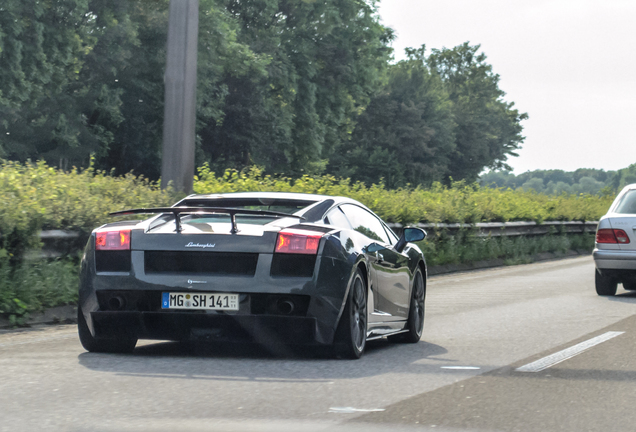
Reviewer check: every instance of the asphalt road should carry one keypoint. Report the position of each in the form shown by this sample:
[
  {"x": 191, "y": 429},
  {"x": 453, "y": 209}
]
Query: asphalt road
[{"x": 480, "y": 327}]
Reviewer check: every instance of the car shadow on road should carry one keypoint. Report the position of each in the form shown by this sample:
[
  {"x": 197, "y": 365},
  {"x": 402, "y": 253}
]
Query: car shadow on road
[
  {"x": 624, "y": 297},
  {"x": 254, "y": 362}
]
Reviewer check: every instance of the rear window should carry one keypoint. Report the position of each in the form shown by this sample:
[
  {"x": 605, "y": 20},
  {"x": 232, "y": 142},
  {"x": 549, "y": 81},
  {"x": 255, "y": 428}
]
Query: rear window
[
  {"x": 269, "y": 204},
  {"x": 627, "y": 204}
]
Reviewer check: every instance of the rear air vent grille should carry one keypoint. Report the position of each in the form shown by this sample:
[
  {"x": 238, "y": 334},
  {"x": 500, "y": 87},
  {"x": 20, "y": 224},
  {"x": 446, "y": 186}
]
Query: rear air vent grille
[
  {"x": 112, "y": 261},
  {"x": 293, "y": 265},
  {"x": 211, "y": 263}
]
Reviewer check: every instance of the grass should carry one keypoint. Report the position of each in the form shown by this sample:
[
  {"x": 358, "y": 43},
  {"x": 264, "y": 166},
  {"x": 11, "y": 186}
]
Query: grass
[{"x": 35, "y": 286}]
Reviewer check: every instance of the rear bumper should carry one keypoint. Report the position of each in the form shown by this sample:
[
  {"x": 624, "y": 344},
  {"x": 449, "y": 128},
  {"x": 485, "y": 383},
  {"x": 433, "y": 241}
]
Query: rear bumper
[
  {"x": 205, "y": 327},
  {"x": 614, "y": 259}
]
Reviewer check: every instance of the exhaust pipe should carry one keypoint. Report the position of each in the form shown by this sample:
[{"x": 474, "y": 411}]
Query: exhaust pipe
[
  {"x": 116, "y": 303},
  {"x": 286, "y": 307}
]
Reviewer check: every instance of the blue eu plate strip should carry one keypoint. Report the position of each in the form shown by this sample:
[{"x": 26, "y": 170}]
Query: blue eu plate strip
[{"x": 165, "y": 300}]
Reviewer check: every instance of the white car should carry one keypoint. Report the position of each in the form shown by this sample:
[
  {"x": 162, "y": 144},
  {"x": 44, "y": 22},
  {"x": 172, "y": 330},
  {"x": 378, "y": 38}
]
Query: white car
[{"x": 615, "y": 248}]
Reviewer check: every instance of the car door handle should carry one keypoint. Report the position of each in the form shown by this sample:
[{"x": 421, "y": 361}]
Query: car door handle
[{"x": 379, "y": 256}]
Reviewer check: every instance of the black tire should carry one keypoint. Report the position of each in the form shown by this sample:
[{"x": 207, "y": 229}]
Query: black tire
[
  {"x": 605, "y": 285},
  {"x": 415, "y": 323},
  {"x": 91, "y": 344},
  {"x": 629, "y": 286},
  {"x": 351, "y": 334}
]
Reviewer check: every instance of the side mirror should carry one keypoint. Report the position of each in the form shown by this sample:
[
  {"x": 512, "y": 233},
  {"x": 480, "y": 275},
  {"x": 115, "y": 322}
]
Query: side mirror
[
  {"x": 414, "y": 234},
  {"x": 409, "y": 235}
]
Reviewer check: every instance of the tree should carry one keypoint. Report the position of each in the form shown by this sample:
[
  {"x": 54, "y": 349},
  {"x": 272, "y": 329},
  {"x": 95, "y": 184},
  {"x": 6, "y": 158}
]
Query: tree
[
  {"x": 405, "y": 135},
  {"x": 325, "y": 60},
  {"x": 129, "y": 59},
  {"x": 439, "y": 118},
  {"x": 498, "y": 179},
  {"x": 596, "y": 174},
  {"x": 535, "y": 184},
  {"x": 557, "y": 188},
  {"x": 42, "y": 48},
  {"x": 588, "y": 185},
  {"x": 488, "y": 128},
  {"x": 293, "y": 86},
  {"x": 89, "y": 81},
  {"x": 623, "y": 177},
  {"x": 138, "y": 72}
]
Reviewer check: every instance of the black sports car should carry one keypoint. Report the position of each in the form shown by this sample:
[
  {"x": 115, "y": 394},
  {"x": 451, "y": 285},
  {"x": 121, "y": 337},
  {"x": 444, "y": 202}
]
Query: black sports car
[{"x": 272, "y": 268}]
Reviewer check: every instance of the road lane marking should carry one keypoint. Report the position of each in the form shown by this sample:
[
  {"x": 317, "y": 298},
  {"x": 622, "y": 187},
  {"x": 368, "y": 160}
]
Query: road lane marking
[
  {"x": 460, "y": 367},
  {"x": 551, "y": 360},
  {"x": 351, "y": 410}
]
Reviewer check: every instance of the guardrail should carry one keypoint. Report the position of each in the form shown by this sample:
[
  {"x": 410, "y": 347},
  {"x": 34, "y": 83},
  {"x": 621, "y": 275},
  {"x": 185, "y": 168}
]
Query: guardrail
[
  {"x": 509, "y": 229},
  {"x": 57, "y": 243}
]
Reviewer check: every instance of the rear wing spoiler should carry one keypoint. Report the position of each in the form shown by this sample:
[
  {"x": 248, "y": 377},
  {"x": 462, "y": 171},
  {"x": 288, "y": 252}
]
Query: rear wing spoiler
[{"x": 177, "y": 211}]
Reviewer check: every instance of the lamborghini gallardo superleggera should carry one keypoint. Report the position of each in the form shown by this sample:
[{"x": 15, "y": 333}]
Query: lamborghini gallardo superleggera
[{"x": 267, "y": 268}]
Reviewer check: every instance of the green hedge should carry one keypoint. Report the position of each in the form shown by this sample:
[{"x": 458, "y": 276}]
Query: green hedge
[
  {"x": 35, "y": 197},
  {"x": 36, "y": 285},
  {"x": 466, "y": 247},
  {"x": 461, "y": 202}
]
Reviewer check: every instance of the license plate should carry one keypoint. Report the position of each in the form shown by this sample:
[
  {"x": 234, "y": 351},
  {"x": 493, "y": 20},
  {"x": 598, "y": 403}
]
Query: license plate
[{"x": 200, "y": 301}]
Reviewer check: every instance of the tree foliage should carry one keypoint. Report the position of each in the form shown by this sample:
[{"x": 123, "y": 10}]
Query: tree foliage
[
  {"x": 406, "y": 134},
  {"x": 488, "y": 128},
  {"x": 42, "y": 49},
  {"x": 439, "y": 117},
  {"x": 138, "y": 75},
  {"x": 580, "y": 181},
  {"x": 325, "y": 60},
  {"x": 294, "y": 86}
]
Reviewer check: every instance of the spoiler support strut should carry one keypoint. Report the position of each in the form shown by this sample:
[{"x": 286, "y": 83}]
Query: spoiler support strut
[{"x": 176, "y": 211}]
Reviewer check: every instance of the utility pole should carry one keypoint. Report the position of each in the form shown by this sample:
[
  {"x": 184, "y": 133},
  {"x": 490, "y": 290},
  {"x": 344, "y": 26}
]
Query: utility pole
[{"x": 180, "y": 98}]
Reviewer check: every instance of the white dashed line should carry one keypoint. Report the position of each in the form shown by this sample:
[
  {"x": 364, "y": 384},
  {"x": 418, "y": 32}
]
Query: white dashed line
[
  {"x": 551, "y": 360},
  {"x": 461, "y": 367},
  {"x": 350, "y": 410}
]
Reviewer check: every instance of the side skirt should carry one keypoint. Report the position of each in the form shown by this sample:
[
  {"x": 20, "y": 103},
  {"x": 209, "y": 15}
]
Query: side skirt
[
  {"x": 383, "y": 336},
  {"x": 380, "y": 330}
]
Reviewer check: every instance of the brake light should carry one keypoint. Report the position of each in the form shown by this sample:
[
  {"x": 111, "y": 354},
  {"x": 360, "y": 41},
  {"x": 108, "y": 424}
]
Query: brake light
[
  {"x": 612, "y": 236},
  {"x": 297, "y": 242},
  {"x": 113, "y": 239},
  {"x": 621, "y": 236}
]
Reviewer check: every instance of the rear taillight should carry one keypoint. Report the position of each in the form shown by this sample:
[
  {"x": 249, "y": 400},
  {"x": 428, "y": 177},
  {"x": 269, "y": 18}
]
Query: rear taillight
[
  {"x": 297, "y": 242},
  {"x": 621, "y": 236},
  {"x": 612, "y": 236},
  {"x": 112, "y": 239}
]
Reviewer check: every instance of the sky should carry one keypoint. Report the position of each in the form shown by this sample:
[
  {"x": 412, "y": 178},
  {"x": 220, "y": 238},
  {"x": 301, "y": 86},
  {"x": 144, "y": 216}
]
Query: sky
[{"x": 569, "y": 64}]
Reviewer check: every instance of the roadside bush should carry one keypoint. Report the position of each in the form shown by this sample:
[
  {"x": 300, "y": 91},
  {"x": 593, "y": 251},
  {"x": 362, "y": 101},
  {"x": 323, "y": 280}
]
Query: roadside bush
[
  {"x": 459, "y": 203},
  {"x": 35, "y": 196},
  {"x": 466, "y": 247},
  {"x": 33, "y": 286}
]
